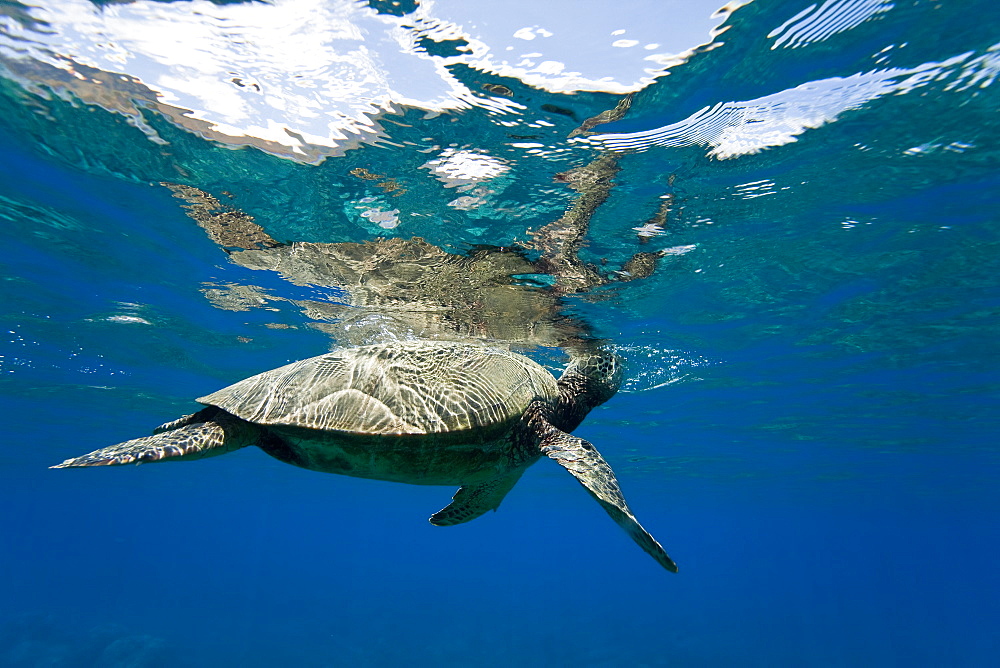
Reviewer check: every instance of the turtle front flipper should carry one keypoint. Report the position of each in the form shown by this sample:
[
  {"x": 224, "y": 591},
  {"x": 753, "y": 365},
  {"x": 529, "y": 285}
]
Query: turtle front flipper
[
  {"x": 582, "y": 459},
  {"x": 227, "y": 226},
  {"x": 207, "y": 433},
  {"x": 471, "y": 501}
]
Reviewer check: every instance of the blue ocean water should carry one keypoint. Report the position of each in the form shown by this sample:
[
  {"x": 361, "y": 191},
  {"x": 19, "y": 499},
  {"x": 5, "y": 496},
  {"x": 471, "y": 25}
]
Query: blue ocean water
[{"x": 809, "y": 422}]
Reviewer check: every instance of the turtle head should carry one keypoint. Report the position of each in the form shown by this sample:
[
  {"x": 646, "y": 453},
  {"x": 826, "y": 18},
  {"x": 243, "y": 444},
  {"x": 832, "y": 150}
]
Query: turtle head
[{"x": 590, "y": 379}]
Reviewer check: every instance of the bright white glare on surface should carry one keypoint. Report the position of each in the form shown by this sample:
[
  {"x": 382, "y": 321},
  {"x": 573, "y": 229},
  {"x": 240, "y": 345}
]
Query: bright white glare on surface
[
  {"x": 455, "y": 168},
  {"x": 306, "y": 78},
  {"x": 732, "y": 129}
]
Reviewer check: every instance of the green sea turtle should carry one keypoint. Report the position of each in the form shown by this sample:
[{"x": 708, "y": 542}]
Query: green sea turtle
[{"x": 421, "y": 412}]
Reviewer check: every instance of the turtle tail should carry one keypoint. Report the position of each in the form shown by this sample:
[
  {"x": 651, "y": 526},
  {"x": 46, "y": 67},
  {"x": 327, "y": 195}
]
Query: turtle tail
[{"x": 209, "y": 432}]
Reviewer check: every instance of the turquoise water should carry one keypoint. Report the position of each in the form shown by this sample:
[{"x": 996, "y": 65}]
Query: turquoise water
[{"x": 809, "y": 419}]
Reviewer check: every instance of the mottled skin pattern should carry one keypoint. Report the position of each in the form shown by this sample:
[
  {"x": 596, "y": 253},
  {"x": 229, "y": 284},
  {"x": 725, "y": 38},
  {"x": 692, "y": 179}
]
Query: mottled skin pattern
[
  {"x": 431, "y": 413},
  {"x": 207, "y": 433}
]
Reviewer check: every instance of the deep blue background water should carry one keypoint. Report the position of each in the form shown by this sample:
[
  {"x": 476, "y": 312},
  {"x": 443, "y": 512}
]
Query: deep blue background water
[{"x": 825, "y": 472}]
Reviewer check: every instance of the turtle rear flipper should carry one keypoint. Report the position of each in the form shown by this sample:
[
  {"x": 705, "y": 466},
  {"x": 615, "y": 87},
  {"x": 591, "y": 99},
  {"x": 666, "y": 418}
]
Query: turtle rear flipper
[
  {"x": 216, "y": 433},
  {"x": 471, "y": 501},
  {"x": 582, "y": 459}
]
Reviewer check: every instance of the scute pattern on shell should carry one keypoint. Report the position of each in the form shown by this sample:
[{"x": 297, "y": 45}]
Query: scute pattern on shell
[{"x": 416, "y": 387}]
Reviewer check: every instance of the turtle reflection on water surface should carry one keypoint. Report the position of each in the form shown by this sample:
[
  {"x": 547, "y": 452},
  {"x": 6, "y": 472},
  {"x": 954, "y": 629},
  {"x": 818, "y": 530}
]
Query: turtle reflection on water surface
[{"x": 418, "y": 289}]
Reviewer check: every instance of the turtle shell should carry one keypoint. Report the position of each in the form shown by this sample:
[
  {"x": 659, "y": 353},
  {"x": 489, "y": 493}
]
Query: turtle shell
[{"x": 413, "y": 387}]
